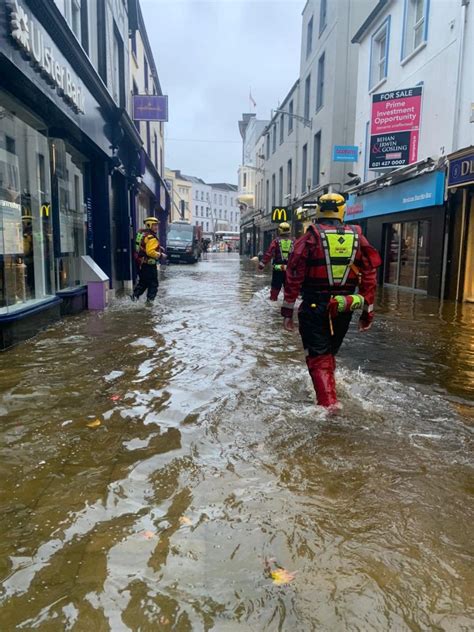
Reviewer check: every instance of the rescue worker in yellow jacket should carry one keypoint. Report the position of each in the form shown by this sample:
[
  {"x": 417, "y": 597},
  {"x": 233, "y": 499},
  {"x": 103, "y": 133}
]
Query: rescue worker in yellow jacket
[{"x": 147, "y": 255}]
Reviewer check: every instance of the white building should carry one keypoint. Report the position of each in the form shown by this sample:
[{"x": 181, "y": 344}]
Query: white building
[
  {"x": 416, "y": 43},
  {"x": 225, "y": 207},
  {"x": 327, "y": 92},
  {"x": 201, "y": 205}
]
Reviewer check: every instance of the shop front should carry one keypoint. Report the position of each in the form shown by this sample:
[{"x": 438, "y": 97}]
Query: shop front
[
  {"x": 461, "y": 203},
  {"x": 58, "y": 174},
  {"x": 406, "y": 222}
]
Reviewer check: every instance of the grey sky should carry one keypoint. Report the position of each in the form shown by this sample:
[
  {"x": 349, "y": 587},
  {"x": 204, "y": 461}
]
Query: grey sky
[{"x": 208, "y": 55}]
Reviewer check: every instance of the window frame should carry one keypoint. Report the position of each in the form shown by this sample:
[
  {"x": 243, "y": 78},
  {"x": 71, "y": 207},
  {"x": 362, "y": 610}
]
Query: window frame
[
  {"x": 309, "y": 37},
  {"x": 383, "y": 30},
  {"x": 406, "y": 55},
  {"x": 323, "y": 16},
  {"x": 320, "y": 81}
]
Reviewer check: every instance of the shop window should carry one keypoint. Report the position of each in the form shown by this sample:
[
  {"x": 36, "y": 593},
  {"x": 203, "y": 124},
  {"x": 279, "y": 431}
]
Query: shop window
[
  {"x": 26, "y": 260},
  {"x": 407, "y": 254},
  {"x": 68, "y": 183}
]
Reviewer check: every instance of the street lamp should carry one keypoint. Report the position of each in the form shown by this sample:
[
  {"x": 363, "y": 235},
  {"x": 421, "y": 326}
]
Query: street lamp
[{"x": 306, "y": 122}]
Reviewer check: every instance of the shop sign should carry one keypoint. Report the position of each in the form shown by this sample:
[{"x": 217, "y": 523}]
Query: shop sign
[
  {"x": 45, "y": 56},
  {"x": 150, "y": 108},
  {"x": 281, "y": 214},
  {"x": 421, "y": 192},
  {"x": 461, "y": 171},
  {"x": 345, "y": 153},
  {"x": 394, "y": 128}
]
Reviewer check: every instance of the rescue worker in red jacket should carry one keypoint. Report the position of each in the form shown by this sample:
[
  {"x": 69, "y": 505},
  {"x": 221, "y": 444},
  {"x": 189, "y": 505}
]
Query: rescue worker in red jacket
[
  {"x": 335, "y": 269},
  {"x": 148, "y": 255},
  {"x": 279, "y": 250}
]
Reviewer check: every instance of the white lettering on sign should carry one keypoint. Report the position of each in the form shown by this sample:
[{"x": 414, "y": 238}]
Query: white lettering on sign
[{"x": 33, "y": 40}]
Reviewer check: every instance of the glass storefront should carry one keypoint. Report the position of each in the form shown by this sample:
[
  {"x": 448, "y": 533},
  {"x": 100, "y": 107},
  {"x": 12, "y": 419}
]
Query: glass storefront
[
  {"x": 38, "y": 178},
  {"x": 407, "y": 255},
  {"x": 68, "y": 178},
  {"x": 26, "y": 252}
]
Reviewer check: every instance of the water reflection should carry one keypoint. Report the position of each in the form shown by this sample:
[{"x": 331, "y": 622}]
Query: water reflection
[{"x": 211, "y": 463}]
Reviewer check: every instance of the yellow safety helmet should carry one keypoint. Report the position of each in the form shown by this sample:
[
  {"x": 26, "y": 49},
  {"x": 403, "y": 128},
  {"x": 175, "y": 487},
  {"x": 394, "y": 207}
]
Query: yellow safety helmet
[
  {"x": 331, "y": 206},
  {"x": 284, "y": 228},
  {"x": 149, "y": 221}
]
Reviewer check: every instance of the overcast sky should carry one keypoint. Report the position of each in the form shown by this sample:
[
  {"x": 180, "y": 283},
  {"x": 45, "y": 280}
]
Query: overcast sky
[{"x": 208, "y": 55}]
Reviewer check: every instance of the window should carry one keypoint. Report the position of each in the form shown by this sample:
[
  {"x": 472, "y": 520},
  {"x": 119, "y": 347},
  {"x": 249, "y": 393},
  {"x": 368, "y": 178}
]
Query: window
[
  {"x": 155, "y": 140},
  {"x": 118, "y": 70},
  {"x": 323, "y": 15},
  {"x": 407, "y": 254},
  {"x": 290, "y": 117},
  {"x": 274, "y": 138},
  {"x": 202, "y": 196},
  {"x": 316, "y": 159},
  {"x": 76, "y": 18},
  {"x": 309, "y": 37},
  {"x": 289, "y": 178},
  {"x": 307, "y": 96},
  {"x": 320, "y": 91},
  {"x": 145, "y": 73},
  {"x": 220, "y": 199},
  {"x": 267, "y": 195},
  {"x": 268, "y": 146},
  {"x": 273, "y": 190},
  {"x": 101, "y": 42},
  {"x": 148, "y": 139},
  {"x": 282, "y": 128},
  {"x": 304, "y": 167},
  {"x": 415, "y": 27},
  {"x": 133, "y": 41},
  {"x": 280, "y": 187},
  {"x": 379, "y": 54}
]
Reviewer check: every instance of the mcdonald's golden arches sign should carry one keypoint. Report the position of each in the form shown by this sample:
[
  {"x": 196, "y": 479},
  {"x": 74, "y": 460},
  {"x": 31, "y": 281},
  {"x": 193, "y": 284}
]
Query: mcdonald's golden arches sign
[{"x": 281, "y": 214}]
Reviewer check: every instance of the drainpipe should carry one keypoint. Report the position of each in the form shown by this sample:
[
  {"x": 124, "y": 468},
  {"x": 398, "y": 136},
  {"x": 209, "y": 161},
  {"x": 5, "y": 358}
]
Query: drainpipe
[{"x": 457, "y": 111}]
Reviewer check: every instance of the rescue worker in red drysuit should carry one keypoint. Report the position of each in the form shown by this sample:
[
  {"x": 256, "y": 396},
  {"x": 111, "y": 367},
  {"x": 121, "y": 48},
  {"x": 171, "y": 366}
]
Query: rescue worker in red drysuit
[
  {"x": 148, "y": 256},
  {"x": 335, "y": 269},
  {"x": 279, "y": 250}
]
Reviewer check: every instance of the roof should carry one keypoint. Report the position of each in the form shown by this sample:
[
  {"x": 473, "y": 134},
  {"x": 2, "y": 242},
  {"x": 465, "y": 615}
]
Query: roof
[
  {"x": 192, "y": 179},
  {"x": 223, "y": 185},
  {"x": 363, "y": 30}
]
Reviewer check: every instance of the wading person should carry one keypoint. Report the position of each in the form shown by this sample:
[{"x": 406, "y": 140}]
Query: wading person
[
  {"x": 334, "y": 268},
  {"x": 148, "y": 254},
  {"x": 278, "y": 251}
]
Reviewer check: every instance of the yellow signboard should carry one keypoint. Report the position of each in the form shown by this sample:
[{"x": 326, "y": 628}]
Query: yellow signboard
[{"x": 281, "y": 214}]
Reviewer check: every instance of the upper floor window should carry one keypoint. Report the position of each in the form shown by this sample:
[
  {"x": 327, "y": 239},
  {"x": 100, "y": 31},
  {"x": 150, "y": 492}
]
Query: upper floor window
[
  {"x": 290, "y": 117},
  {"x": 145, "y": 72},
  {"x": 379, "y": 54},
  {"x": 274, "y": 138},
  {"x": 307, "y": 96},
  {"x": 309, "y": 37},
  {"x": 268, "y": 146},
  {"x": 320, "y": 87},
  {"x": 415, "y": 27},
  {"x": 323, "y": 15},
  {"x": 282, "y": 128}
]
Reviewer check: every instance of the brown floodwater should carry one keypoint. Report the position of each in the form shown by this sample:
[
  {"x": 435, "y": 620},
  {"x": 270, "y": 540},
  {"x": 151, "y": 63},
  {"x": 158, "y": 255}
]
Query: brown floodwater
[{"x": 160, "y": 466}]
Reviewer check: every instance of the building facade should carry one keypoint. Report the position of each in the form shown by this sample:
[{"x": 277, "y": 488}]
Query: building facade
[
  {"x": 413, "y": 109},
  {"x": 150, "y": 195},
  {"x": 68, "y": 153}
]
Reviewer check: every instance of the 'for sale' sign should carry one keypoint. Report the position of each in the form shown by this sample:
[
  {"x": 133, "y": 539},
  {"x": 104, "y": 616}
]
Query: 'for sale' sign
[{"x": 395, "y": 127}]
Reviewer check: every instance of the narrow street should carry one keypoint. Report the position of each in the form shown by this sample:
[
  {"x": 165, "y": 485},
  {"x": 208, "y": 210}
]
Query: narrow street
[{"x": 159, "y": 464}]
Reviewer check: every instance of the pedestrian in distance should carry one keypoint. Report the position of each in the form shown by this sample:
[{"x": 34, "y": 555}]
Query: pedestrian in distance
[
  {"x": 334, "y": 268},
  {"x": 148, "y": 255},
  {"x": 278, "y": 251}
]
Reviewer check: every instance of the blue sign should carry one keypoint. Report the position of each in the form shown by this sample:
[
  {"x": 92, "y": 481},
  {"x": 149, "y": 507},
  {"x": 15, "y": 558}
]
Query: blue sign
[
  {"x": 461, "y": 171},
  {"x": 345, "y": 153},
  {"x": 427, "y": 190},
  {"x": 150, "y": 107}
]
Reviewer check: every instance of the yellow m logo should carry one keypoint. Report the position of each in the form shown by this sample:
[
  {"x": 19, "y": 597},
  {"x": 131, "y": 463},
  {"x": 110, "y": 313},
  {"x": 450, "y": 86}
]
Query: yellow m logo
[{"x": 279, "y": 215}]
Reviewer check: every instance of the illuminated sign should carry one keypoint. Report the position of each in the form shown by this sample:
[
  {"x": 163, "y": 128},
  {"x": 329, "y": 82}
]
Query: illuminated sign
[
  {"x": 461, "y": 171},
  {"x": 45, "y": 57},
  {"x": 281, "y": 214}
]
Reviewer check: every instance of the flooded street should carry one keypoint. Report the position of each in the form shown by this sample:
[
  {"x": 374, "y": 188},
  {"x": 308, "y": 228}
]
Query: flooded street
[{"x": 159, "y": 464}]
